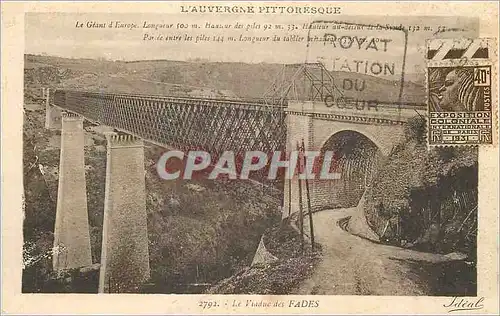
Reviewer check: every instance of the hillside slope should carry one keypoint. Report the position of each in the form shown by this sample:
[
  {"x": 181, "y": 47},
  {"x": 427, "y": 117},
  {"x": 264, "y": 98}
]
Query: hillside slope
[{"x": 197, "y": 78}]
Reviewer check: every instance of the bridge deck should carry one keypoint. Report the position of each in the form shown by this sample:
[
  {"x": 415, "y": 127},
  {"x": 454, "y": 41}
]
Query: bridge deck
[{"x": 212, "y": 125}]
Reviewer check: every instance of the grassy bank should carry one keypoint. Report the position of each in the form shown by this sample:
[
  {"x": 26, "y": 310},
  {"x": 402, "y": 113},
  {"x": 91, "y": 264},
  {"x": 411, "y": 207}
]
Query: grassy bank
[{"x": 279, "y": 277}]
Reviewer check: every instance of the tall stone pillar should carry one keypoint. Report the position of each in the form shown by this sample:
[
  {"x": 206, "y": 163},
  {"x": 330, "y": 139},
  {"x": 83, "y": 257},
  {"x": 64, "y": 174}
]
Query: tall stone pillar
[
  {"x": 52, "y": 114},
  {"x": 125, "y": 254},
  {"x": 299, "y": 127},
  {"x": 71, "y": 234}
]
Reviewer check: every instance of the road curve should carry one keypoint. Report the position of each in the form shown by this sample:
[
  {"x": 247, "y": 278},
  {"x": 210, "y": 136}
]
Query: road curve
[{"x": 352, "y": 265}]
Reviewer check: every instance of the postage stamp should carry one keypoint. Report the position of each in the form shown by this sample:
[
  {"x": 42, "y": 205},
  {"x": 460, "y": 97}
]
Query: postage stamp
[{"x": 459, "y": 91}]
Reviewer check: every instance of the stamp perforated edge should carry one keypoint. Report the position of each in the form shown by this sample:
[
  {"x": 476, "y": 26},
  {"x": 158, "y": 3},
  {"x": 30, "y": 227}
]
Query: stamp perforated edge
[{"x": 492, "y": 61}]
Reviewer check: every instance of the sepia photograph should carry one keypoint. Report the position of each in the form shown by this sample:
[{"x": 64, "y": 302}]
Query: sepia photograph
[
  {"x": 398, "y": 220},
  {"x": 256, "y": 155}
]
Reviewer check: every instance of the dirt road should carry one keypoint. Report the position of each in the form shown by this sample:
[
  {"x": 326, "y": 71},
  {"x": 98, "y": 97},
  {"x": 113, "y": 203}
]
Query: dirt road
[{"x": 355, "y": 266}]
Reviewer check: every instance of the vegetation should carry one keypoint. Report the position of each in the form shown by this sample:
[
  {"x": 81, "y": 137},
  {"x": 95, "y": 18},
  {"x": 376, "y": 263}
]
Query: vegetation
[
  {"x": 280, "y": 277},
  {"x": 426, "y": 199}
]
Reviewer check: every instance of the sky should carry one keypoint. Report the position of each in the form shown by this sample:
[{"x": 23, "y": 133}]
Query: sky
[{"x": 56, "y": 34}]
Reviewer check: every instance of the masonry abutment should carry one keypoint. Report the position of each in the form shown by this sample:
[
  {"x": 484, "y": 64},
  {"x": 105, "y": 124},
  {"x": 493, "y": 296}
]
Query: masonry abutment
[
  {"x": 311, "y": 121},
  {"x": 71, "y": 233},
  {"x": 52, "y": 114},
  {"x": 125, "y": 255}
]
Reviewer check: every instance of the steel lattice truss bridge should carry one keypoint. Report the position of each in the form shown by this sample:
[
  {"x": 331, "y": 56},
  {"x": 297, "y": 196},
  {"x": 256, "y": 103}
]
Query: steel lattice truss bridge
[
  {"x": 185, "y": 124},
  {"x": 216, "y": 125}
]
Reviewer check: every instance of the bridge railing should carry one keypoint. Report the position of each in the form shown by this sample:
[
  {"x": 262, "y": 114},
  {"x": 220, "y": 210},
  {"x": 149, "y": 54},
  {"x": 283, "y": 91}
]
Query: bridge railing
[{"x": 359, "y": 112}]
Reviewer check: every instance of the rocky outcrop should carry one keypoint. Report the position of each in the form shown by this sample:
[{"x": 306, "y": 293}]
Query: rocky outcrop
[
  {"x": 262, "y": 255},
  {"x": 357, "y": 225}
]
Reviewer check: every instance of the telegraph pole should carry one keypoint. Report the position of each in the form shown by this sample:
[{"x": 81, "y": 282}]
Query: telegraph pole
[
  {"x": 311, "y": 226},
  {"x": 301, "y": 213}
]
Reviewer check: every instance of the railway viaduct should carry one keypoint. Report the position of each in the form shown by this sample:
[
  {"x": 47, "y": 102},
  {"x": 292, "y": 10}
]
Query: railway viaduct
[{"x": 202, "y": 124}]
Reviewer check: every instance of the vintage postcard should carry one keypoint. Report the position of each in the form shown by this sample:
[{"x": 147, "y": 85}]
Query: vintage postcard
[{"x": 250, "y": 158}]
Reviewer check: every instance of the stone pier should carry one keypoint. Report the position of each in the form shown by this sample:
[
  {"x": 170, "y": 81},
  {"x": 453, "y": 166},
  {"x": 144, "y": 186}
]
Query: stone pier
[
  {"x": 52, "y": 114},
  {"x": 125, "y": 254},
  {"x": 71, "y": 234}
]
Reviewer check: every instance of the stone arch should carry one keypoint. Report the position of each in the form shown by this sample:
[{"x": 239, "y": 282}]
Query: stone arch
[
  {"x": 364, "y": 133},
  {"x": 355, "y": 157},
  {"x": 384, "y": 136}
]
